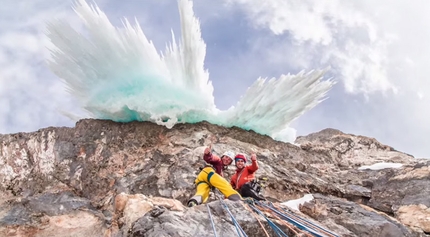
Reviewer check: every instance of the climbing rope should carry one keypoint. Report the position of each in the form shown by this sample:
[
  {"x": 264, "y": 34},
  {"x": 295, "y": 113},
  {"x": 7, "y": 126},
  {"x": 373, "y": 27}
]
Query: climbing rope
[
  {"x": 296, "y": 222},
  {"x": 305, "y": 222},
  {"x": 275, "y": 228},
  {"x": 240, "y": 231},
  {"x": 310, "y": 223},
  {"x": 212, "y": 221},
  {"x": 283, "y": 215},
  {"x": 284, "y": 222},
  {"x": 256, "y": 217}
]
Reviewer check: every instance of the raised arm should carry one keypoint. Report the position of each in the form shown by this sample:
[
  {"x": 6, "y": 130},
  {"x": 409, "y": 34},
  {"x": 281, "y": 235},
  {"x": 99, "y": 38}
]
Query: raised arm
[
  {"x": 254, "y": 166},
  {"x": 208, "y": 157}
]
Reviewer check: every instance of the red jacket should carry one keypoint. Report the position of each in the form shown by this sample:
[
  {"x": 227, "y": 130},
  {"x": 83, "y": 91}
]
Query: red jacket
[
  {"x": 215, "y": 161},
  {"x": 244, "y": 175}
]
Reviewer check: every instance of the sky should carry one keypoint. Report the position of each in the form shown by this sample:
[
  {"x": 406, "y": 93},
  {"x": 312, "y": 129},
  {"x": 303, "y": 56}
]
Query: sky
[{"x": 377, "y": 53}]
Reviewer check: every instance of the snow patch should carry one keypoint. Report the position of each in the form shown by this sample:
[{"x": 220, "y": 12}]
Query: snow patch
[
  {"x": 294, "y": 204},
  {"x": 380, "y": 166}
]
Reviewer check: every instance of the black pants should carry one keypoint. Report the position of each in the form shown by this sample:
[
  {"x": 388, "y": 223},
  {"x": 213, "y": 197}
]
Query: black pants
[{"x": 251, "y": 189}]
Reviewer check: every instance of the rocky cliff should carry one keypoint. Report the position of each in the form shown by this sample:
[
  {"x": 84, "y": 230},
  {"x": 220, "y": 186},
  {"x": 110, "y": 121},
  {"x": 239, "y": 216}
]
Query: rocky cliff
[{"x": 103, "y": 178}]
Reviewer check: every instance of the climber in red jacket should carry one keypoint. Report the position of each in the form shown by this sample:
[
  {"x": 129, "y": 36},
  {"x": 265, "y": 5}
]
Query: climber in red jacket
[{"x": 244, "y": 179}]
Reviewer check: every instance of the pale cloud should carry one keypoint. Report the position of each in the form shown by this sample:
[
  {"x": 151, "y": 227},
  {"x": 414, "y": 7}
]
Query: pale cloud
[
  {"x": 363, "y": 69},
  {"x": 24, "y": 81},
  {"x": 347, "y": 39},
  {"x": 379, "y": 52},
  {"x": 282, "y": 16}
]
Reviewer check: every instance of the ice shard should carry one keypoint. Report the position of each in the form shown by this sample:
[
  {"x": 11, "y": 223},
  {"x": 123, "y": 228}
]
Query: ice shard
[{"x": 117, "y": 74}]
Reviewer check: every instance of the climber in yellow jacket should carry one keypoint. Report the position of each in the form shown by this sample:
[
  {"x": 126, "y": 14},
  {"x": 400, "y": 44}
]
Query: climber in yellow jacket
[{"x": 212, "y": 176}]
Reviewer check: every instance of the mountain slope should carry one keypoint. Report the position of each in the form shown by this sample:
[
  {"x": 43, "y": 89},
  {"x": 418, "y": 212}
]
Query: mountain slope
[{"x": 103, "y": 178}]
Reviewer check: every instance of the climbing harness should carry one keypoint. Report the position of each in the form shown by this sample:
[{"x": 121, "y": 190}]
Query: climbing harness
[{"x": 212, "y": 221}]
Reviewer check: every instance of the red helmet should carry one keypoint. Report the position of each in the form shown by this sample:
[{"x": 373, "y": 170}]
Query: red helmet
[{"x": 240, "y": 157}]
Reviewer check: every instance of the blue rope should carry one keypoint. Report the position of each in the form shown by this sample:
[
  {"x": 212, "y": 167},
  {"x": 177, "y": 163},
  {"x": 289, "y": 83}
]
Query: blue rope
[
  {"x": 240, "y": 231},
  {"x": 313, "y": 224},
  {"x": 275, "y": 228},
  {"x": 302, "y": 227},
  {"x": 296, "y": 223},
  {"x": 212, "y": 221}
]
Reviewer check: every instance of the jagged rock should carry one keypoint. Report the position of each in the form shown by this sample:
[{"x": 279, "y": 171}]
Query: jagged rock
[
  {"x": 352, "y": 219},
  {"x": 415, "y": 216},
  {"x": 196, "y": 222},
  {"x": 117, "y": 175},
  {"x": 406, "y": 194},
  {"x": 129, "y": 208},
  {"x": 51, "y": 214},
  {"x": 347, "y": 150}
]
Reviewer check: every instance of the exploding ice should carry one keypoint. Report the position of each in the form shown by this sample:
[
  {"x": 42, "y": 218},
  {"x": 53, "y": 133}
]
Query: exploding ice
[{"x": 117, "y": 74}]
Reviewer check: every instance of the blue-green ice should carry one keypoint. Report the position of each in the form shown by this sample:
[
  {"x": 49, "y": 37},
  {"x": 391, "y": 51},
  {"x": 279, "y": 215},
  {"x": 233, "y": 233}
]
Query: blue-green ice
[{"x": 117, "y": 74}]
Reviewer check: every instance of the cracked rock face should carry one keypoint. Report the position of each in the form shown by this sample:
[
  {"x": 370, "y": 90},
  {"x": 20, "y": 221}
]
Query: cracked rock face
[
  {"x": 103, "y": 178},
  {"x": 349, "y": 151},
  {"x": 366, "y": 221}
]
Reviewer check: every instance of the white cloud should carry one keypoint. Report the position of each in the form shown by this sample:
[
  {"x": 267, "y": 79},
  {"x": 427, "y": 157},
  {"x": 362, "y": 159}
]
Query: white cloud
[
  {"x": 339, "y": 34},
  {"x": 24, "y": 80},
  {"x": 420, "y": 95},
  {"x": 378, "y": 50},
  {"x": 282, "y": 16}
]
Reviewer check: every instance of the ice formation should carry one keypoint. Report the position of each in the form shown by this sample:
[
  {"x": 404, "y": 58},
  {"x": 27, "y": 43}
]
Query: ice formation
[{"x": 117, "y": 74}]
